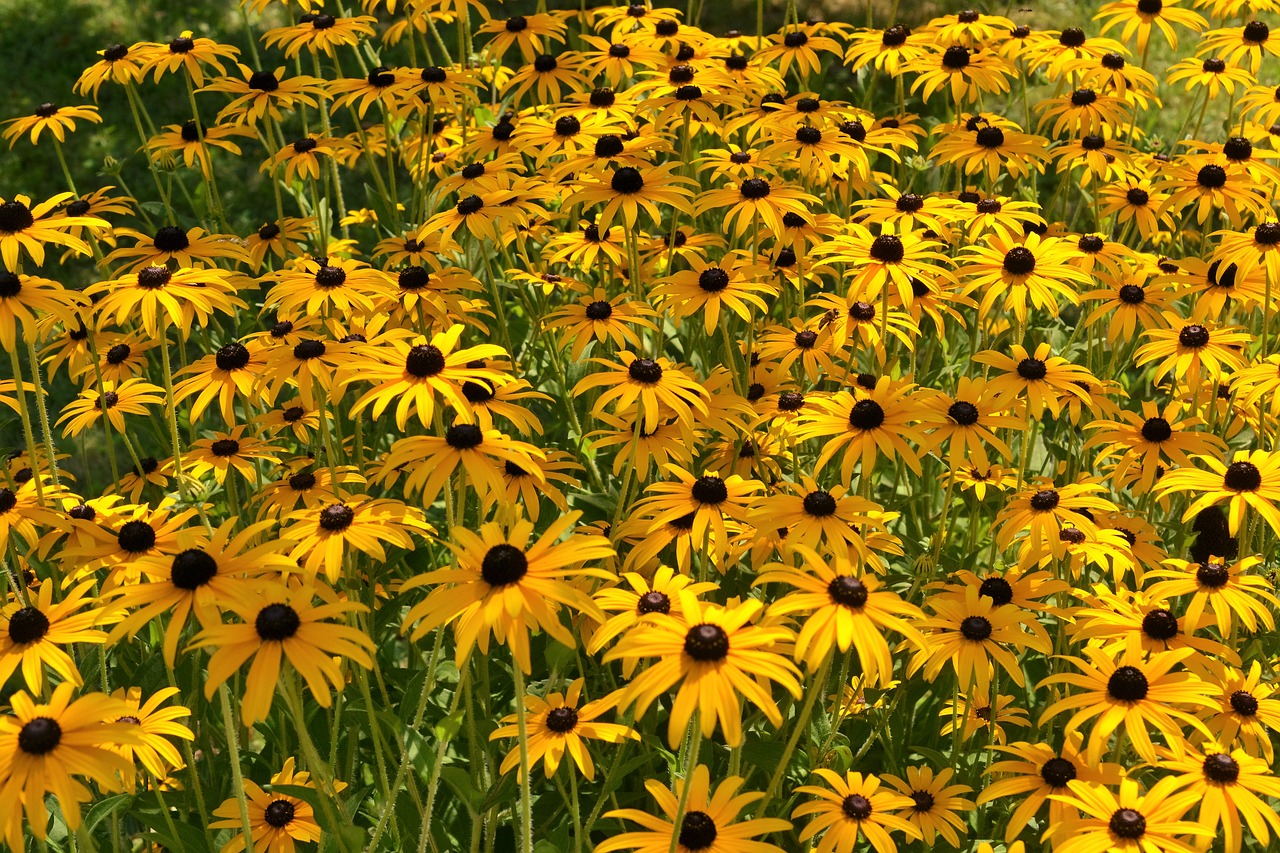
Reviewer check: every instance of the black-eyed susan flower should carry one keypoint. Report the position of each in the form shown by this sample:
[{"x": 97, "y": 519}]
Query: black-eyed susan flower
[
  {"x": 505, "y": 584},
  {"x": 43, "y": 745},
  {"x": 26, "y": 228},
  {"x": 282, "y": 623},
  {"x": 1150, "y": 441},
  {"x": 628, "y": 190},
  {"x": 707, "y": 644},
  {"x": 429, "y": 461},
  {"x": 320, "y": 34},
  {"x": 1039, "y": 377},
  {"x": 596, "y": 317},
  {"x": 562, "y": 723},
  {"x": 865, "y": 426},
  {"x": 1247, "y": 708},
  {"x": 278, "y": 820},
  {"x": 131, "y": 397},
  {"x": 161, "y": 297},
  {"x": 57, "y": 120},
  {"x": 412, "y": 372},
  {"x": 1219, "y": 586},
  {"x": 119, "y": 64},
  {"x": 936, "y": 806},
  {"x": 1042, "y": 773},
  {"x": 155, "y": 727},
  {"x": 973, "y": 635},
  {"x": 37, "y": 633},
  {"x": 1134, "y": 692},
  {"x": 188, "y": 52},
  {"x": 698, "y": 818},
  {"x": 1129, "y": 820},
  {"x": 324, "y": 535},
  {"x": 845, "y": 609},
  {"x": 733, "y": 283},
  {"x": 207, "y": 573},
  {"x": 651, "y": 388},
  {"x": 851, "y": 807}
]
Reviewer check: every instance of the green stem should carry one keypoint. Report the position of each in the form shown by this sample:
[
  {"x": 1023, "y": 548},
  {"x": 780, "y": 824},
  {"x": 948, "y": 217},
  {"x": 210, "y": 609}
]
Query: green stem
[
  {"x": 526, "y": 788},
  {"x": 232, "y": 726},
  {"x": 27, "y": 433},
  {"x": 690, "y": 765},
  {"x": 818, "y": 687}
]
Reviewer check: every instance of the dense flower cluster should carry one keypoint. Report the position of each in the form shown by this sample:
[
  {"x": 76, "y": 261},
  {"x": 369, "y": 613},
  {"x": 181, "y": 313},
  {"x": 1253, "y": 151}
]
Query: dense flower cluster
[{"x": 816, "y": 439}]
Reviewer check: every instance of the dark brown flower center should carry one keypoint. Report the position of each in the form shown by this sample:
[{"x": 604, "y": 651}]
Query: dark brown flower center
[
  {"x": 1127, "y": 684},
  {"x": 277, "y": 622},
  {"x": 503, "y": 565}
]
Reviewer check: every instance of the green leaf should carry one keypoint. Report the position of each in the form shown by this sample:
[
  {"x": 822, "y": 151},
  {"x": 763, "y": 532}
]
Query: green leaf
[
  {"x": 460, "y": 781},
  {"x": 448, "y": 728},
  {"x": 103, "y": 809}
]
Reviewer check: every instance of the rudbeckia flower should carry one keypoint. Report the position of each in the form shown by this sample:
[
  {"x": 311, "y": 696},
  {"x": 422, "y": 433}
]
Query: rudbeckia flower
[{"x": 705, "y": 645}]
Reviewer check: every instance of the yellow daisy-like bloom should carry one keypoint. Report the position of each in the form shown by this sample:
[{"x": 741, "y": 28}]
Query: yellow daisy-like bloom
[
  {"x": 1139, "y": 16},
  {"x": 756, "y": 201},
  {"x": 628, "y": 190},
  {"x": 322, "y": 33},
  {"x": 185, "y": 52},
  {"x": 329, "y": 283},
  {"x": 850, "y": 807},
  {"x": 156, "y": 726},
  {"x": 1252, "y": 479},
  {"x": 504, "y": 584},
  {"x": 1137, "y": 692},
  {"x": 25, "y": 228},
  {"x": 1248, "y": 707},
  {"x": 1227, "y": 784},
  {"x": 1033, "y": 269},
  {"x": 161, "y": 298},
  {"x": 324, "y": 535},
  {"x": 733, "y": 283},
  {"x": 1193, "y": 352},
  {"x": 1043, "y": 512},
  {"x": 967, "y": 423},
  {"x": 1043, "y": 773},
  {"x": 35, "y": 633},
  {"x": 131, "y": 397},
  {"x": 977, "y": 715},
  {"x": 650, "y": 388},
  {"x": 1224, "y": 588},
  {"x": 935, "y": 804},
  {"x": 119, "y": 64},
  {"x": 191, "y": 248},
  {"x": 715, "y": 656},
  {"x": 43, "y": 745},
  {"x": 864, "y": 426},
  {"x": 971, "y": 633},
  {"x": 814, "y": 516},
  {"x": 280, "y": 623},
  {"x": 599, "y": 318},
  {"x": 1148, "y": 442},
  {"x": 27, "y": 300},
  {"x": 301, "y": 158},
  {"x": 59, "y": 121},
  {"x": 431, "y": 460},
  {"x": 846, "y": 609},
  {"x": 1128, "y": 822},
  {"x": 965, "y": 73},
  {"x": 206, "y": 574},
  {"x": 277, "y": 821},
  {"x": 708, "y": 824},
  {"x": 260, "y": 94},
  {"x": 422, "y": 370},
  {"x": 560, "y": 723}
]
